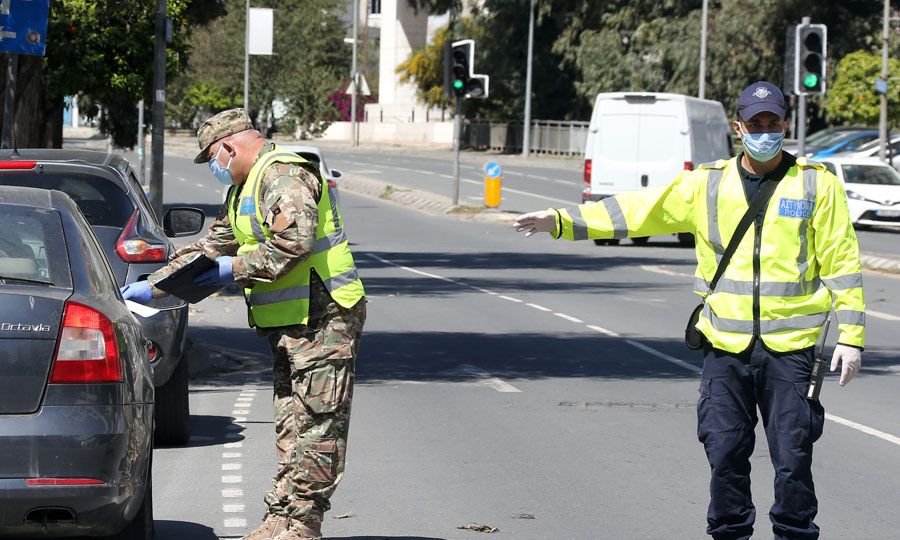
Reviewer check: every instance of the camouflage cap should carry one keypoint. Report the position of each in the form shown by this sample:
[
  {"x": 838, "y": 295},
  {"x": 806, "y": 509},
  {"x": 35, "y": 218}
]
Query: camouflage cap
[{"x": 220, "y": 126}]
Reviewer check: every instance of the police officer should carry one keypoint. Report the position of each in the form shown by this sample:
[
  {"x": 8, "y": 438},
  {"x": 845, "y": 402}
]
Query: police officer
[
  {"x": 762, "y": 320},
  {"x": 281, "y": 236}
]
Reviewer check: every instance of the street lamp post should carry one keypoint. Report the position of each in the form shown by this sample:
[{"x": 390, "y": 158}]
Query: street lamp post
[
  {"x": 702, "y": 90},
  {"x": 526, "y": 136},
  {"x": 885, "y": 74},
  {"x": 354, "y": 77}
]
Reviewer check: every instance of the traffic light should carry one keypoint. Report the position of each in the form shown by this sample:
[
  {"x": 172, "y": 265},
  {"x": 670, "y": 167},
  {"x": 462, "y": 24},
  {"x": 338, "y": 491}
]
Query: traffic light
[
  {"x": 459, "y": 79},
  {"x": 810, "y": 46}
]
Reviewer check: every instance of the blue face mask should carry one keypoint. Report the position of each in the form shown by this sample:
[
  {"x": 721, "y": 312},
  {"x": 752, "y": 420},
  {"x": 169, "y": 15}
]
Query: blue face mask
[
  {"x": 223, "y": 174},
  {"x": 762, "y": 147}
]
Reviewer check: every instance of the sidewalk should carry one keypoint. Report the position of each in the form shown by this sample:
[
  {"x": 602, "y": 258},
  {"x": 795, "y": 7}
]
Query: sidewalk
[{"x": 186, "y": 147}]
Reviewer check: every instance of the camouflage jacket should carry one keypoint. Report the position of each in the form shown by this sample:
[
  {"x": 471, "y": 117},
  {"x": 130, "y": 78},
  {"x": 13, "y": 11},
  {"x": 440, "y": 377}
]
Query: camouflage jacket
[{"x": 290, "y": 196}]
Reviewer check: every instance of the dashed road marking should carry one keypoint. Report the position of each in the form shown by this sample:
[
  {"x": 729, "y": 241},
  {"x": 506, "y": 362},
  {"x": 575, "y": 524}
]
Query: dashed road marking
[
  {"x": 510, "y": 298},
  {"x": 862, "y": 428},
  {"x": 568, "y": 317},
  {"x": 235, "y": 523},
  {"x": 237, "y": 444},
  {"x": 232, "y": 508},
  {"x": 231, "y": 466},
  {"x": 495, "y": 383},
  {"x": 884, "y": 316},
  {"x": 232, "y": 493},
  {"x": 539, "y": 307},
  {"x": 231, "y": 455},
  {"x": 237, "y": 479}
]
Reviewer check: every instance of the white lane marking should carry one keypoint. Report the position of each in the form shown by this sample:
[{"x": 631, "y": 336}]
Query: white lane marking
[
  {"x": 681, "y": 363},
  {"x": 536, "y": 306},
  {"x": 239, "y": 412},
  {"x": 485, "y": 378},
  {"x": 235, "y": 523},
  {"x": 244, "y": 399},
  {"x": 566, "y": 182},
  {"x": 165, "y": 173},
  {"x": 240, "y": 419},
  {"x": 182, "y": 179},
  {"x": 880, "y": 315},
  {"x": 199, "y": 185},
  {"x": 231, "y": 466},
  {"x": 250, "y": 395},
  {"x": 366, "y": 172},
  {"x": 232, "y": 493},
  {"x": 232, "y": 479},
  {"x": 660, "y": 270},
  {"x": 568, "y": 317},
  {"x": 231, "y": 455},
  {"x": 232, "y": 508},
  {"x": 664, "y": 356},
  {"x": 865, "y": 429},
  {"x": 237, "y": 444},
  {"x": 510, "y": 298}
]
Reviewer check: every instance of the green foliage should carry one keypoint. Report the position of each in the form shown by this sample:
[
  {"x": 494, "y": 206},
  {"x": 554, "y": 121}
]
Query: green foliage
[
  {"x": 103, "y": 50},
  {"x": 310, "y": 62},
  {"x": 852, "y": 98}
]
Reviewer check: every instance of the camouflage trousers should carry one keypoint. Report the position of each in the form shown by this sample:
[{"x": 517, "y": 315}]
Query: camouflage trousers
[{"x": 313, "y": 379}]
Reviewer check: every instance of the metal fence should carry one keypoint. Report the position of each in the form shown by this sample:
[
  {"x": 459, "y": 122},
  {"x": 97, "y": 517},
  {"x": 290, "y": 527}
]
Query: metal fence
[{"x": 547, "y": 136}]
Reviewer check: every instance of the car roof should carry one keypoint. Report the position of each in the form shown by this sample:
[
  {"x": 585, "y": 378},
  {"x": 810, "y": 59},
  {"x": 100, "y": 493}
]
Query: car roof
[
  {"x": 26, "y": 196},
  {"x": 307, "y": 149},
  {"x": 854, "y": 161},
  {"x": 66, "y": 155}
]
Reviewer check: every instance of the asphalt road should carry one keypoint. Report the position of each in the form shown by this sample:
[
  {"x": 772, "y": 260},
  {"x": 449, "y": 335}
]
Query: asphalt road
[{"x": 503, "y": 379}]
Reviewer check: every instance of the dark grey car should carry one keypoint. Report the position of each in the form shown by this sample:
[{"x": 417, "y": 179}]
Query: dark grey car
[
  {"x": 109, "y": 195},
  {"x": 76, "y": 386}
]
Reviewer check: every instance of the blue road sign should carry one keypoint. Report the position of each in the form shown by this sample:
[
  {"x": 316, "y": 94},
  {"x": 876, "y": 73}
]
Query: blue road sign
[
  {"x": 23, "y": 26},
  {"x": 492, "y": 169},
  {"x": 881, "y": 86}
]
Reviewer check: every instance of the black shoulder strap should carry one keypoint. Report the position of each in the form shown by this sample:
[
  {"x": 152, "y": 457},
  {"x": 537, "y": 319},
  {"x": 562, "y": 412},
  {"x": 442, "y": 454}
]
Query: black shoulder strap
[{"x": 761, "y": 199}]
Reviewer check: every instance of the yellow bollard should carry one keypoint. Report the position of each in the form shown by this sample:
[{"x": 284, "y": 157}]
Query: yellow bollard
[{"x": 492, "y": 191}]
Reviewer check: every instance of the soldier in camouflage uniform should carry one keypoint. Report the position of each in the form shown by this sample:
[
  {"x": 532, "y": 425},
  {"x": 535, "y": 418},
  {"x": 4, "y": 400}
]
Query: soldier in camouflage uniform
[{"x": 314, "y": 362}]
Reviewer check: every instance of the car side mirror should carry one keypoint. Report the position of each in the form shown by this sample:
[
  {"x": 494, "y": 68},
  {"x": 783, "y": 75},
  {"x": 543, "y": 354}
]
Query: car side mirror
[
  {"x": 183, "y": 222},
  {"x": 335, "y": 173}
]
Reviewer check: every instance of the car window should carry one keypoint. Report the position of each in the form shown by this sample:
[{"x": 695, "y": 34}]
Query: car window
[
  {"x": 825, "y": 137},
  {"x": 856, "y": 143},
  {"x": 100, "y": 200},
  {"x": 871, "y": 174},
  {"x": 32, "y": 246},
  {"x": 314, "y": 158},
  {"x": 143, "y": 202},
  {"x": 830, "y": 166}
]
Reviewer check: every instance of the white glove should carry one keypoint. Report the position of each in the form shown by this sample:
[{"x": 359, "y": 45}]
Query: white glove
[
  {"x": 850, "y": 359},
  {"x": 535, "y": 222}
]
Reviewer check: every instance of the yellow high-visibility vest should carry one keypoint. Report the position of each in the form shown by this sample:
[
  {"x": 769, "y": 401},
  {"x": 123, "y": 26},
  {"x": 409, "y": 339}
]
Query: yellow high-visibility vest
[
  {"x": 285, "y": 301},
  {"x": 806, "y": 251}
]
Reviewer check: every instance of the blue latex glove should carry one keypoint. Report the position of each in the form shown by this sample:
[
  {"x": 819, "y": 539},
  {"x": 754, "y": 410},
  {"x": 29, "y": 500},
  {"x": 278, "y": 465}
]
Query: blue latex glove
[
  {"x": 139, "y": 292},
  {"x": 217, "y": 276}
]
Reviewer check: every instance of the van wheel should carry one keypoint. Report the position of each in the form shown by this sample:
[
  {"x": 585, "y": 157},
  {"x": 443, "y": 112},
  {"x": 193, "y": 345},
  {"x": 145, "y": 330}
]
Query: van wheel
[
  {"x": 641, "y": 241},
  {"x": 141, "y": 527},
  {"x": 686, "y": 239},
  {"x": 172, "y": 410},
  {"x": 610, "y": 242}
]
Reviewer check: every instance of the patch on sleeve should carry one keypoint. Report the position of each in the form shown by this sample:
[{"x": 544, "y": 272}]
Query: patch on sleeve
[
  {"x": 248, "y": 207},
  {"x": 796, "y": 208}
]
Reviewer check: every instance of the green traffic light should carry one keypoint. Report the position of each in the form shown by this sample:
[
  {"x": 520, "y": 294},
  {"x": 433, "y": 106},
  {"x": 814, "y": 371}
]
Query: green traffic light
[
  {"x": 457, "y": 84},
  {"x": 811, "y": 80}
]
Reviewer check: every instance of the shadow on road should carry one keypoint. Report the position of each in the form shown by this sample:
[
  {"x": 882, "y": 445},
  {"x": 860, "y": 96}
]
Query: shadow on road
[
  {"x": 209, "y": 430},
  {"x": 381, "y": 537},
  {"x": 183, "y": 530}
]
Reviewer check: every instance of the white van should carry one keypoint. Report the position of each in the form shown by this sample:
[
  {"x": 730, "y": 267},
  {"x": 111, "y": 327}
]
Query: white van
[{"x": 637, "y": 140}]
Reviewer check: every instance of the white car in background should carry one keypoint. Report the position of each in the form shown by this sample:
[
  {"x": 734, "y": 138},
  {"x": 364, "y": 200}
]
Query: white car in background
[
  {"x": 314, "y": 155},
  {"x": 873, "y": 190},
  {"x": 872, "y": 149}
]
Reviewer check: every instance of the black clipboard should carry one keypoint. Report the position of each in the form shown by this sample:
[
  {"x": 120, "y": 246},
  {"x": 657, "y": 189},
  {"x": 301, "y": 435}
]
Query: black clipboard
[{"x": 180, "y": 283}]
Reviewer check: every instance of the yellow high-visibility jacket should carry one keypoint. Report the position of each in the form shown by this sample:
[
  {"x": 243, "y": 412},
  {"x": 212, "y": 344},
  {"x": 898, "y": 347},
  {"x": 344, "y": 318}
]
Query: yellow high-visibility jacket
[
  {"x": 285, "y": 301},
  {"x": 806, "y": 252}
]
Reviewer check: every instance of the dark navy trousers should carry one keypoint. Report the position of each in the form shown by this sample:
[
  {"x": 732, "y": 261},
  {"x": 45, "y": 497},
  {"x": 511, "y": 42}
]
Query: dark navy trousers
[{"x": 733, "y": 388}]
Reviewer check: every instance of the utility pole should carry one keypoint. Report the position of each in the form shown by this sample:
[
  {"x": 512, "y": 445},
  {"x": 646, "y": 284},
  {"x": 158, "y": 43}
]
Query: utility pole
[
  {"x": 354, "y": 77},
  {"x": 702, "y": 91},
  {"x": 140, "y": 137},
  {"x": 526, "y": 137},
  {"x": 457, "y": 133},
  {"x": 247, "y": 58},
  {"x": 885, "y": 75},
  {"x": 9, "y": 103},
  {"x": 159, "y": 108}
]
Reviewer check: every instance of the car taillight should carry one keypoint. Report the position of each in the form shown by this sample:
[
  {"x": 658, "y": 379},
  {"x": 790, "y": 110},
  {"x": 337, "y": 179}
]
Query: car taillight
[
  {"x": 13, "y": 165},
  {"x": 332, "y": 184},
  {"x": 87, "y": 351},
  {"x": 689, "y": 165},
  {"x": 133, "y": 249},
  {"x": 587, "y": 173}
]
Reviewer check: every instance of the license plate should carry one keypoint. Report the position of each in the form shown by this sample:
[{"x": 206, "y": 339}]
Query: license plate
[{"x": 887, "y": 213}]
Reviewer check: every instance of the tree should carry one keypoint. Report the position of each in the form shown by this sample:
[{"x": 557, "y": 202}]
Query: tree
[
  {"x": 102, "y": 50},
  {"x": 852, "y": 98},
  {"x": 310, "y": 62}
]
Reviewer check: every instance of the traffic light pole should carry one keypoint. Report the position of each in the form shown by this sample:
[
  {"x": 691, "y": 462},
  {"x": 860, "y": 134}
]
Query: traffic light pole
[
  {"x": 801, "y": 106},
  {"x": 882, "y": 119},
  {"x": 457, "y": 133},
  {"x": 159, "y": 109}
]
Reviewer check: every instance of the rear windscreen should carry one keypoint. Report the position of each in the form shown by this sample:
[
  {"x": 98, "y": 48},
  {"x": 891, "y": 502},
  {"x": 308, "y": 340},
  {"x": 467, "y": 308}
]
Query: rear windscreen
[
  {"x": 32, "y": 247},
  {"x": 100, "y": 200}
]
